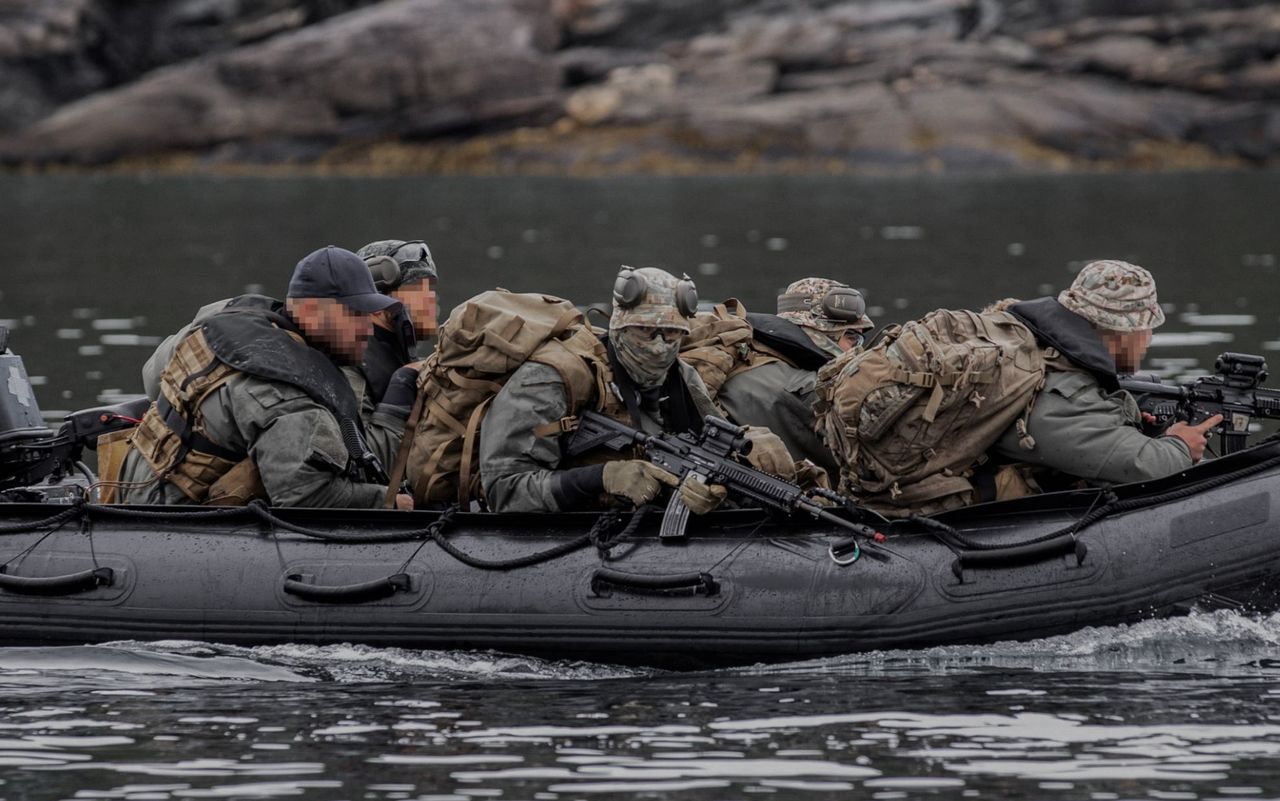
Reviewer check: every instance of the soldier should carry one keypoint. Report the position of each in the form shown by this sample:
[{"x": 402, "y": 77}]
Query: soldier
[
  {"x": 385, "y": 381},
  {"x": 817, "y": 320},
  {"x": 252, "y": 403},
  {"x": 635, "y": 377},
  {"x": 832, "y": 314},
  {"x": 1083, "y": 426},
  {"x": 406, "y": 272}
]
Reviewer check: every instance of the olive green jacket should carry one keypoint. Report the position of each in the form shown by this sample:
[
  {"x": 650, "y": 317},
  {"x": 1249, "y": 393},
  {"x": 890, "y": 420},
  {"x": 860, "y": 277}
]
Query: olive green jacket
[
  {"x": 383, "y": 427},
  {"x": 779, "y": 397},
  {"x": 519, "y": 470},
  {"x": 1084, "y": 431},
  {"x": 294, "y": 441}
]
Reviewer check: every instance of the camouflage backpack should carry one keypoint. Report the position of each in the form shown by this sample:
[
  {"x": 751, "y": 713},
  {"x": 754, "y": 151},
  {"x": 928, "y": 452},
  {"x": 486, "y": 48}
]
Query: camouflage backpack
[
  {"x": 481, "y": 344},
  {"x": 718, "y": 344},
  {"x": 722, "y": 343},
  {"x": 911, "y": 417}
]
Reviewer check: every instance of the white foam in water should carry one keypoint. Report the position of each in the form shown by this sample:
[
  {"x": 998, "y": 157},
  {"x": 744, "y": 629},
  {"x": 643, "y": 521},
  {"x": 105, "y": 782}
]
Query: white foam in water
[
  {"x": 143, "y": 659},
  {"x": 1221, "y": 642},
  {"x": 358, "y": 664}
]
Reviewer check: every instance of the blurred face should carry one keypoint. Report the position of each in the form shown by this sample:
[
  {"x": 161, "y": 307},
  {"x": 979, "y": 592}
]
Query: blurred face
[
  {"x": 1127, "y": 348},
  {"x": 419, "y": 299},
  {"x": 342, "y": 331}
]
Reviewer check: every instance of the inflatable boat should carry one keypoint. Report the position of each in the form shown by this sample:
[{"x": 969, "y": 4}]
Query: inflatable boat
[
  {"x": 735, "y": 587},
  {"x": 739, "y": 587}
]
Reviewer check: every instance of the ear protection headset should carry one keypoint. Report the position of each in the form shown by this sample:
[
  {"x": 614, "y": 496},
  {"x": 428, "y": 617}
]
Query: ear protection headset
[
  {"x": 840, "y": 303},
  {"x": 385, "y": 272},
  {"x": 630, "y": 287}
]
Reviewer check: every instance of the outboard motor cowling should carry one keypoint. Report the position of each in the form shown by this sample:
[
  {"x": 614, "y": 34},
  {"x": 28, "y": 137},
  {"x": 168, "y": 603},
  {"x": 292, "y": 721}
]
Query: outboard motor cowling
[{"x": 20, "y": 418}]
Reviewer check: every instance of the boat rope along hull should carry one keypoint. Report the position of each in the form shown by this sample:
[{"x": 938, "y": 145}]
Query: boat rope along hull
[{"x": 740, "y": 588}]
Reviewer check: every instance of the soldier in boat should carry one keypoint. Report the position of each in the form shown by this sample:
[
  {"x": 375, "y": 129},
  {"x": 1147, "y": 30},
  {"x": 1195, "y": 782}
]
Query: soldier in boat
[
  {"x": 253, "y": 403},
  {"x": 817, "y": 320},
  {"x": 632, "y": 374},
  {"x": 405, "y": 271},
  {"x": 1082, "y": 425}
]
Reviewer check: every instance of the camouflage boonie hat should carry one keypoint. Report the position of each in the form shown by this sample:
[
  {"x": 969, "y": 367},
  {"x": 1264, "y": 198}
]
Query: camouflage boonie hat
[
  {"x": 658, "y": 305},
  {"x": 1114, "y": 295},
  {"x": 801, "y": 303},
  {"x": 413, "y": 257}
]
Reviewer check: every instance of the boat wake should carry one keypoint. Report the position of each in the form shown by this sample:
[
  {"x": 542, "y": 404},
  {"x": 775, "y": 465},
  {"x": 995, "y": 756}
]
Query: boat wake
[{"x": 1221, "y": 643}]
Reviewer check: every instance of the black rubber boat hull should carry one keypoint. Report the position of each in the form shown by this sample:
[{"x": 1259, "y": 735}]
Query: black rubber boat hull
[{"x": 741, "y": 588}]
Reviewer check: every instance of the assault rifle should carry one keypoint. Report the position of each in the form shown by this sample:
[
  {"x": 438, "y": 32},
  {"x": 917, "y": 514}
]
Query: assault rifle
[
  {"x": 1233, "y": 390},
  {"x": 712, "y": 458}
]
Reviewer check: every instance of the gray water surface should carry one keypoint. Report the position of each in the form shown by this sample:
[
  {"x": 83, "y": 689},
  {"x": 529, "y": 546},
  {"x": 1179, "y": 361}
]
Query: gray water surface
[
  {"x": 97, "y": 269},
  {"x": 1174, "y": 709}
]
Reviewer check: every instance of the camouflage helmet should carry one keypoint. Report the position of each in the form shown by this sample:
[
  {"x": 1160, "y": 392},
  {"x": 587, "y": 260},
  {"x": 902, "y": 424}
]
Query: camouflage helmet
[
  {"x": 396, "y": 262},
  {"x": 652, "y": 297},
  {"x": 825, "y": 305},
  {"x": 1114, "y": 295}
]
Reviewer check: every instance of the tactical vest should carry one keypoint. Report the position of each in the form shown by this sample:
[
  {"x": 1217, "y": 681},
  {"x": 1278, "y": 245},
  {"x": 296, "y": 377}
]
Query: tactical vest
[
  {"x": 247, "y": 339},
  {"x": 171, "y": 437}
]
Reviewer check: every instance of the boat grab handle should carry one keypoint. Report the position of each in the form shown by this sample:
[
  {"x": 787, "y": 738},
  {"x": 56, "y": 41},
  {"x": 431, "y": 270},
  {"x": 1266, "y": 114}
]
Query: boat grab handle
[
  {"x": 347, "y": 593},
  {"x": 1020, "y": 555},
  {"x": 606, "y": 578},
  {"x": 57, "y": 585}
]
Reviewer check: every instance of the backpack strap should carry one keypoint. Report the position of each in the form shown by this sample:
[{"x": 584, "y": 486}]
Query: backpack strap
[
  {"x": 469, "y": 446},
  {"x": 401, "y": 464}
]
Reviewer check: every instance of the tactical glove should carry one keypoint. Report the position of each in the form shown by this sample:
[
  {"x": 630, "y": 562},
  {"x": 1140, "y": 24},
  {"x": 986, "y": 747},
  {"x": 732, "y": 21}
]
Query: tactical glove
[
  {"x": 810, "y": 476},
  {"x": 701, "y": 498},
  {"x": 402, "y": 390},
  {"x": 769, "y": 454},
  {"x": 636, "y": 480}
]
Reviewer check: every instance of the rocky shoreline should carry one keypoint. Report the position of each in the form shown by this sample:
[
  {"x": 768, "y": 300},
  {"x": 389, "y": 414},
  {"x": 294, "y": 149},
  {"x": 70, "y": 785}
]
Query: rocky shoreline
[{"x": 588, "y": 87}]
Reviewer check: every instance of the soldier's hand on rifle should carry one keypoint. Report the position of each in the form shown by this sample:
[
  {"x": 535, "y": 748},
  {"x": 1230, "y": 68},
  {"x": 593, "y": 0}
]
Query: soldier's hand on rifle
[
  {"x": 404, "y": 502},
  {"x": 636, "y": 480},
  {"x": 769, "y": 454},
  {"x": 701, "y": 497},
  {"x": 1194, "y": 435}
]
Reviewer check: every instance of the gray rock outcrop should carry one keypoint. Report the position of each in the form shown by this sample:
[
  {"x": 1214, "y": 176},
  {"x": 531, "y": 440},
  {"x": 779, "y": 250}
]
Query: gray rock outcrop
[{"x": 915, "y": 83}]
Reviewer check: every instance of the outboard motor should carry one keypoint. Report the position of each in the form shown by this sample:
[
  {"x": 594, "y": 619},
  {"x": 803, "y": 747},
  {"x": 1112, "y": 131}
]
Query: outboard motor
[
  {"x": 29, "y": 451},
  {"x": 21, "y": 425}
]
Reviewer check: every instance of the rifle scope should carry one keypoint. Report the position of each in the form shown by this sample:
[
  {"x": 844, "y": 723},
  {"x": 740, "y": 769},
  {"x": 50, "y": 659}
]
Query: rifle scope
[{"x": 1241, "y": 370}]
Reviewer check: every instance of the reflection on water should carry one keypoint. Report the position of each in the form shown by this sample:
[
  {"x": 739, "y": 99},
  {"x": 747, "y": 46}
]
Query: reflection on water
[
  {"x": 148, "y": 252},
  {"x": 98, "y": 269},
  {"x": 1171, "y": 709}
]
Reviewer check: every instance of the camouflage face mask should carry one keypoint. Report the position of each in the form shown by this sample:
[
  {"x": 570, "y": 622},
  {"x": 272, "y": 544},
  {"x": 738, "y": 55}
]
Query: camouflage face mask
[{"x": 646, "y": 360}]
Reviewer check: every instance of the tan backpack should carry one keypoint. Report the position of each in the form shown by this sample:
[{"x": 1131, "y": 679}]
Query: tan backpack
[
  {"x": 481, "y": 344},
  {"x": 718, "y": 344},
  {"x": 910, "y": 418}
]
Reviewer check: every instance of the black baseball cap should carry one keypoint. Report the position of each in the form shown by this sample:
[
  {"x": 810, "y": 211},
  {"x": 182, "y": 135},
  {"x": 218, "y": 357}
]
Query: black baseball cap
[{"x": 332, "y": 272}]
